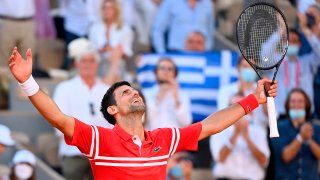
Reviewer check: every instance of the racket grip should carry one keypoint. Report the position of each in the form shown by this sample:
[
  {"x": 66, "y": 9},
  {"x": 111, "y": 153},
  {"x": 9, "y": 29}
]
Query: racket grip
[{"x": 272, "y": 117}]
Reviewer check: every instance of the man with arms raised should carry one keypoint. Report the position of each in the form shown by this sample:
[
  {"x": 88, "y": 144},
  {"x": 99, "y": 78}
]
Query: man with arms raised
[{"x": 128, "y": 151}]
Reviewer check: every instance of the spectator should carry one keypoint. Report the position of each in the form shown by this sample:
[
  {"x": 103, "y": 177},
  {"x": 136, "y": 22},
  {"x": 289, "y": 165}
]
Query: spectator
[
  {"x": 295, "y": 71},
  {"x": 146, "y": 13},
  {"x": 17, "y": 27},
  {"x": 111, "y": 35},
  {"x": 297, "y": 150},
  {"x": 76, "y": 23},
  {"x": 167, "y": 106},
  {"x": 23, "y": 166},
  {"x": 241, "y": 151},
  {"x": 179, "y": 167},
  {"x": 195, "y": 42},
  {"x": 192, "y": 15},
  {"x": 245, "y": 85},
  {"x": 5, "y": 138},
  {"x": 80, "y": 98}
]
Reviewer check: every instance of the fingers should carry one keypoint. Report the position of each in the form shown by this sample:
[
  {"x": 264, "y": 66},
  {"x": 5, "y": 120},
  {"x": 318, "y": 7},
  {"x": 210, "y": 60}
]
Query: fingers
[{"x": 29, "y": 55}]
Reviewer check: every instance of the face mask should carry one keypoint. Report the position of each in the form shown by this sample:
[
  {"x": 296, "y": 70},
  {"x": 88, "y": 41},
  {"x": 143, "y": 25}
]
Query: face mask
[
  {"x": 292, "y": 50},
  {"x": 23, "y": 171},
  {"x": 248, "y": 75},
  {"x": 297, "y": 114},
  {"x": 176, "y": 171}
]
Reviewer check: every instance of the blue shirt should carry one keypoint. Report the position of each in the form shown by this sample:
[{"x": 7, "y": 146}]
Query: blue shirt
[
  {"x": 305, "y": 164},
  {"x": 179, "y": 19}
]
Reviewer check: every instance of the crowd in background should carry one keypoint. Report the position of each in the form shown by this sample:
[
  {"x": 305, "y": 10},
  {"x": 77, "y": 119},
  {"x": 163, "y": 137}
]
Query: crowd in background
[{"x": 103, "y": 43}]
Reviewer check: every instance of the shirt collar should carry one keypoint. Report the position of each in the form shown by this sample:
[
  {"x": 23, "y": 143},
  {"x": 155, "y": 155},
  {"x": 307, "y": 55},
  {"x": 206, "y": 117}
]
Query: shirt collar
[{"x": 126, "y": 136}]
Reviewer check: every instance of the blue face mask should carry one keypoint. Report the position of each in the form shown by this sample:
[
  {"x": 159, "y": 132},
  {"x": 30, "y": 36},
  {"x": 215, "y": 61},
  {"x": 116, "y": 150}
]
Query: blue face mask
[
  {"x": 292, "y": 50},
  {"x": 248, "y": 75},
  {"x": 297, "y": 114},
  {"x": 176, "y": 172}
]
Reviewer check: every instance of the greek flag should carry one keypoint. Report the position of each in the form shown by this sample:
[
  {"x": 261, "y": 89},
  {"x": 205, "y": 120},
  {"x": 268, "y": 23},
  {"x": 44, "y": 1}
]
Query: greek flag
[{"x": 200, "y": 76}]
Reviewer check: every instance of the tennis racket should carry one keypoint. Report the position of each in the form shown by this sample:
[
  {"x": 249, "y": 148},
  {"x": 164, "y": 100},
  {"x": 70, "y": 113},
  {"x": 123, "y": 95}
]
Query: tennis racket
[{"x": 262, "y": 35}]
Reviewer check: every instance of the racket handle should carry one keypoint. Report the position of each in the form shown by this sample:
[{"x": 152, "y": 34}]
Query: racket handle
[{"x": 272, "y": 118}]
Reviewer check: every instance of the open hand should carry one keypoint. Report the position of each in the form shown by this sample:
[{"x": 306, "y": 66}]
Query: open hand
[{"x": 20, "y": 68}]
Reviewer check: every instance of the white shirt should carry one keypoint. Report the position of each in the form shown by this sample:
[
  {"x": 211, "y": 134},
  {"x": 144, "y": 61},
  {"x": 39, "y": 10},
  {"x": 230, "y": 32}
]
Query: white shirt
[
  {"x": 225, "y": 93},
  {"x": 165, "y": 114},
  {"x": 17, "y": 8},
  {"x": 123, "y": 36},
  {"x": 73, "y": 97},
  {"x": 240, "y": 164},
  {"x": 76, "y": 16}
]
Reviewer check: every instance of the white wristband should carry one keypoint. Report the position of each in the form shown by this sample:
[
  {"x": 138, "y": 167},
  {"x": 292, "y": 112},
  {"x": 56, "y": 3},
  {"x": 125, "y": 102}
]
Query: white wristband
[
  {"x": 299, "y": 138},
  {"x": 30, "y": 86}
]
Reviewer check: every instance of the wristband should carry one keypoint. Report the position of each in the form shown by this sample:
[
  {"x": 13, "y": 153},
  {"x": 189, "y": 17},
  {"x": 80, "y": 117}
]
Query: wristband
[
  {"x": 249, "y": 103},
  {"x": 299, "y": 138},
  {"x": 30, "y": 86}
]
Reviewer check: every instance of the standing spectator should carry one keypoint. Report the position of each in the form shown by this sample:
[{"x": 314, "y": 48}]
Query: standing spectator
[
  {"x": 195, "y": 42},
  {"x": 167, "y": 106},
  {"x": 23, "y": 166},
  {"x": 295, "y": 71},
  {"x": 146, "y": 13},
  {"x": 80, "y": 97},
  {"x": 76, "y": 22},
  {"x": 241, "y": 151},
  {"x": 192, "y": 15},
  {"x": 111, "y": 35},
  {"x": 5, "y": 138},
  {"x": 245, "y": 85},
  {"x": 17, "y": 27},
  {"x": 297, "y": 150}
]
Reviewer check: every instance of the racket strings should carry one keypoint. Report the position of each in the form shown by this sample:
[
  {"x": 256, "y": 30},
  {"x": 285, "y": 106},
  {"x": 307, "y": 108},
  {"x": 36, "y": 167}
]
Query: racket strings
[{"x": 260, "y": 35}]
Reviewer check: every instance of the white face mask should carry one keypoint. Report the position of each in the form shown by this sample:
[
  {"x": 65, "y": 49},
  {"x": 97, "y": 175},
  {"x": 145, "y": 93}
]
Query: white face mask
[{"x": 23, "y": 171}]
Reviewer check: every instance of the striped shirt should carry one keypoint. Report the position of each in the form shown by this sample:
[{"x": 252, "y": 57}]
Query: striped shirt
[{"x": 115, "y": 154}]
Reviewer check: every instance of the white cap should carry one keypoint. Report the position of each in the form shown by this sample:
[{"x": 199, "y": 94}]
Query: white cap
[
  {"x": 5, "y": 136},
  {"x": 24, "y": 156},
  {"x": 79, "y": 47}
]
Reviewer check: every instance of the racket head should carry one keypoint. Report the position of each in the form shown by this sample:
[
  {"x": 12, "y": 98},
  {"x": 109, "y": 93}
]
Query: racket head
[{"x": 258, "y": 25}]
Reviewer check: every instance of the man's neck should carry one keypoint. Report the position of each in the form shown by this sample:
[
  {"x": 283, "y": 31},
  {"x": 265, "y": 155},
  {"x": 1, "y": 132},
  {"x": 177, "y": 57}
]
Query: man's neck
[
  {"x": 132, "y": 124},
  {"x": 89, "y": 81}
]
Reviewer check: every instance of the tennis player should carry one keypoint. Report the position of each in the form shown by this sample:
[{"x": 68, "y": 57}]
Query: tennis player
[{"x": 128, "y": 151}]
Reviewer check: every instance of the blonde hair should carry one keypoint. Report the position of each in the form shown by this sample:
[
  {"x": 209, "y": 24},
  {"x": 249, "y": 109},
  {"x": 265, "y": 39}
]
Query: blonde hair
[{"x": 118, "y": 11}]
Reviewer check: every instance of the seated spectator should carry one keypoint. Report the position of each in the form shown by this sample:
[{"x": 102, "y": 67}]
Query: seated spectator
[
  {"x": 195, "y": 42},
  {"x": 192, "y": 15},
  {"x": 5, "y": 138},
  {"x": 297, "y": 150},
  {"x": 111, "y": 35},
  {"x": 241, "y": 151},
  {"x": 80, "y": 97},
  {"x": 23, "y": 166},
  {"x": 167, "y": 106},
  {"x": 179, "y": 167}
]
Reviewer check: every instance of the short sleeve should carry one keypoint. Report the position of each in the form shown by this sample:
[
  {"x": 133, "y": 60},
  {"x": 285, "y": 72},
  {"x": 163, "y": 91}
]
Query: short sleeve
[
  {"x": 188, "y": 137},
  {"x": 83, "y": 138}
]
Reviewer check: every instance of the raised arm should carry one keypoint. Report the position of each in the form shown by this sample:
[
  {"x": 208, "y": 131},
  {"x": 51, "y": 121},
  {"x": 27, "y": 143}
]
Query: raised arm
[
  {"x": 220, "y": 120},
  {"x": 21, "y": 69}
]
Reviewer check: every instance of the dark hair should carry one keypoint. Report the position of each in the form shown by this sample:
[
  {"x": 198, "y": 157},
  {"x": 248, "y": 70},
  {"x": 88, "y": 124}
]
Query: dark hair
[
  {"x": 292, "y": 30},
  {"x": 307, "y": 102},
  {"x": 109, "y": 100},
  {"x": 171, "y": 61}
]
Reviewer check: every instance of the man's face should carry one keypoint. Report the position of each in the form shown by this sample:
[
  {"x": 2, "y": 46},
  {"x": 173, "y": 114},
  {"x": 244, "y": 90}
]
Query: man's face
[
  {"x": 195, "y": 43},
  {"x": 297, "y": 101},
  {"x": 128, "y": 100},
  {"x": 87, "y": 66},
  {"x": 165, "y": 71}
]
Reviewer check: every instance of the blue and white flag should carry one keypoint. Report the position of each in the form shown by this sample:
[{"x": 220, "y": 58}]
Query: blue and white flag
[{"x": 200, "y": 76}]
